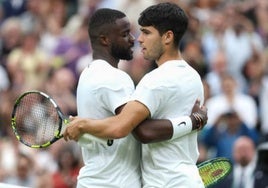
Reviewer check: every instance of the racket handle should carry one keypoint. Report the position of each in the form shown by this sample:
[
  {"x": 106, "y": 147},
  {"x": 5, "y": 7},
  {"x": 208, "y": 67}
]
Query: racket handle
[{"x": 86, "y": 140}]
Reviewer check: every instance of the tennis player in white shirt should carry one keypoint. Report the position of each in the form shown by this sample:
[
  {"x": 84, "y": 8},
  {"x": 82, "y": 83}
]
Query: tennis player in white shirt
[{"x": 167, "y": 92}]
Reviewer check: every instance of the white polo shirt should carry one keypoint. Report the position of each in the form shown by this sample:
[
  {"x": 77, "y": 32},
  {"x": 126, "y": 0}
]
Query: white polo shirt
[
  {"x": 170, "y": 91},
  {"x": 101, "y": 89}
]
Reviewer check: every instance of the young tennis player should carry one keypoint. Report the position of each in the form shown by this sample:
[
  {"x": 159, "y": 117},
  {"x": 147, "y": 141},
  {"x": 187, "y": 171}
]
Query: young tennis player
[{"x": 167, "y": 92}]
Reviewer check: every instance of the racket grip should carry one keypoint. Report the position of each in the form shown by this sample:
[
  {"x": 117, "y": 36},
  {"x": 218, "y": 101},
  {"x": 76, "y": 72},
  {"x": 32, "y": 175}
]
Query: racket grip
[{"x": 86, "y": 140}]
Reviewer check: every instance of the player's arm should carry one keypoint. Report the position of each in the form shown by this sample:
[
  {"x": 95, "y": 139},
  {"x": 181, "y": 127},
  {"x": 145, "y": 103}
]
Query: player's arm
[
  {"x": 150, "y": 131},
  {"x": 112, "y": 127},
  {"x": 118, "y": 126}
]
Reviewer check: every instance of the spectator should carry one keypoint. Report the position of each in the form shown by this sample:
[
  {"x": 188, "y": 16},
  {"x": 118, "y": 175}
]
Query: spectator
[
  {"x": 13, "y": 7},
  {"x": 7, "y": 101},
  {"x": 223, "y": 134},
  {"x": 8, "y": 158},
  {"x": 51, "y": 36},
  {"x": 261, "y": 16},
  {"x": 71, "y": 48},
  {"x": 68, "y": 168},
  {"x": 61, "y": 87},
  {"x": 256, "y": 73},
  {"x": 242, "y": 175},
  {"x": 212, "y": 38},
  {"x": 240, "y": 43},
  {"x": 27, "y": 65},
  {"x": 192, "y": 53},
  {"x": 218, "y": 70},
  {"x": 11, "y": 32},
  {"x": 30, "y": 18},
  {"x": 24, "y": 174},
  {"x": 232, "y": 98}
]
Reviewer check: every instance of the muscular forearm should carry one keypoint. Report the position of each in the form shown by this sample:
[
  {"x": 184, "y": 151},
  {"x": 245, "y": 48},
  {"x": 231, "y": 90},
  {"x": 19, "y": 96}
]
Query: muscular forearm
[
  {"x": 112, "y": 127},
  {"x": 106, "y": 128},
  {"x": 150, "y": 131}
]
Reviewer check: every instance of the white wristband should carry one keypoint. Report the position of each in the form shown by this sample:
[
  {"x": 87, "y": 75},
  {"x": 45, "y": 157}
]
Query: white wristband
[{"x": 181, "y": 126}]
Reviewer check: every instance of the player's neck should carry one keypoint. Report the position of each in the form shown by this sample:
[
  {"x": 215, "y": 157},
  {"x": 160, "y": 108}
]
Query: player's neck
[
  {"x": 106, "y": 57},
  {"x": 168, "y": 56}
]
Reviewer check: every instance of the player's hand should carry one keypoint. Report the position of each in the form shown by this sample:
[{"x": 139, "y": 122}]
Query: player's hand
[
  {"x": 73, "y": 129},
  {"x": 198, "y": 116}
]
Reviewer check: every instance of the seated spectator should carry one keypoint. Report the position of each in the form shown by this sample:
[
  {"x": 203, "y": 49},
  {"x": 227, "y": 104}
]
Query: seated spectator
[
  {"x": 223, "y": 134},
  {"x": 242, "y": 175},
  {"x": 24, "y": 175},
  {"x": 11, "y": 32},
  {"x": 218, "y": 69},
  {"x": 28, "y": 65},
  {"x": 61, "y": 86},
  {"x": 68, "y": 168}
]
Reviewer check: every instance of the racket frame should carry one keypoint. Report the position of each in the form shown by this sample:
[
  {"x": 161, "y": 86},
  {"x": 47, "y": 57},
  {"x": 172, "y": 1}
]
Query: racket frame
[
  {"x": 212, "y": 162},
  {"x": 62, "y": 120}
]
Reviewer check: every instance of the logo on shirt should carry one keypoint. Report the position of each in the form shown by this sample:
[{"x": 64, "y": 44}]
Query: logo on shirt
[{"x": 182, "y": 123}]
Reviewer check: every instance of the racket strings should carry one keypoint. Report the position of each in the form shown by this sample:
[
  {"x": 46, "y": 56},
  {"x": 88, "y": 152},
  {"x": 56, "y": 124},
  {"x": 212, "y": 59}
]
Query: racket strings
[
  {"x": 211, "y": 174},
  {"x": 36, "y": 119}
]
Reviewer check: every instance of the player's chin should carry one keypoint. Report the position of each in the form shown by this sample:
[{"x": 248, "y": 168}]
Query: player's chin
[
  {"x": 129, "y": 56},
  {"x": 148, "y": 58}
]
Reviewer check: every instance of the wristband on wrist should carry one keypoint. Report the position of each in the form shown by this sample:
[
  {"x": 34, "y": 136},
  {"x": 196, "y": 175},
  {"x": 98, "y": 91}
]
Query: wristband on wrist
[{"x": 181, "y": 126}]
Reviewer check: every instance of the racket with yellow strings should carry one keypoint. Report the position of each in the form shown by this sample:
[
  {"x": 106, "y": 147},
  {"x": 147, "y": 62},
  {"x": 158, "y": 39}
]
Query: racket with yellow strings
[
  {"x": 38, "y": 122},
  {"x": 214, "y": 170}
]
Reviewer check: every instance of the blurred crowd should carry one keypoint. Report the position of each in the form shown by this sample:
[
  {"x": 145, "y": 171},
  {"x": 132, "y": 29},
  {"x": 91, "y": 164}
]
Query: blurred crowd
[{"x": 44, "y": 45}]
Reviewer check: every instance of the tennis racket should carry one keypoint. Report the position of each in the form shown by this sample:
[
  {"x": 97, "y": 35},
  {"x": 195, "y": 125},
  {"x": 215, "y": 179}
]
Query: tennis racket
[
  {"x": 38, "y": 122},
  {"x": 214, "y": 170}
]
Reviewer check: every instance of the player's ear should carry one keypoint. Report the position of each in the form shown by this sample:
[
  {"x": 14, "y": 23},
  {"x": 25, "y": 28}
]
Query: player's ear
[
  {"x": 104, "y": 40},
  {"x": 168, "y": 37}
]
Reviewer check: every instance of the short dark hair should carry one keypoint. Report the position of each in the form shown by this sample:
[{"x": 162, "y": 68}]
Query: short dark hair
[
  {"x": 101, "y": 20},
  {"x": 164, "y": 17}
]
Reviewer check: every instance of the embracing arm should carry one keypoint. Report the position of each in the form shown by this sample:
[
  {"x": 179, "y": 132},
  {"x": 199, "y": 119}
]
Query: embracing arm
[
  {"x": 132, "y": 115},
  {"x": 114, "y": 127},
  {"x": 152, "y": 130}
]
